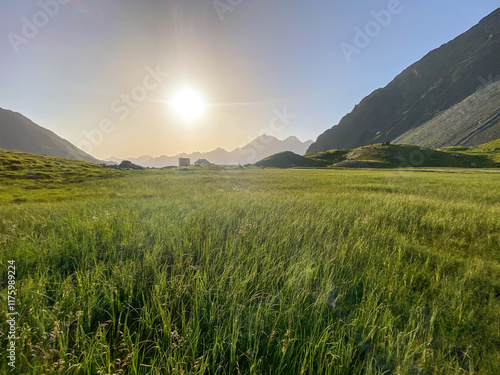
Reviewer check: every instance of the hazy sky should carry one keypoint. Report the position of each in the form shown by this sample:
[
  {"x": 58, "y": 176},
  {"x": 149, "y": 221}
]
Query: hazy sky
[{"x": 98, "y": 72}]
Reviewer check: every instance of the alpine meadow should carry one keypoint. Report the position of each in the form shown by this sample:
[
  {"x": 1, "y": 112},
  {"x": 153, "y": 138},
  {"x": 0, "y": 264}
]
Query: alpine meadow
[
  {"x": 236, "y": 187},
  {"x": 253, "y": 271}
]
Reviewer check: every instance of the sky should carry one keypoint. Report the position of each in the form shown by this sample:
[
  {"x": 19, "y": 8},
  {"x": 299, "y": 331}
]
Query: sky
[{"x": 101, "y": 73}]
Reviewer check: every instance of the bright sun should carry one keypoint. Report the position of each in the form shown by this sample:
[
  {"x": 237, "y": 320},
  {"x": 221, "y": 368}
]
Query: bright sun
[{"x": 188, "y": 104}]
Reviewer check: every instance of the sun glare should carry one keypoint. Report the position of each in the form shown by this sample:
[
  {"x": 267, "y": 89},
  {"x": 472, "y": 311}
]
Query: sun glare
[{"x": 188, "y": 104}]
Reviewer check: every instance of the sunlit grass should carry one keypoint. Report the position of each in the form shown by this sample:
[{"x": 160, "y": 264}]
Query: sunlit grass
[{"x": 257, "y": 272}]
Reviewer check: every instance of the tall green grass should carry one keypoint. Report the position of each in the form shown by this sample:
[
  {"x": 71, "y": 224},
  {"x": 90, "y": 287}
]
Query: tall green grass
[{"x": 258, "y": 272}]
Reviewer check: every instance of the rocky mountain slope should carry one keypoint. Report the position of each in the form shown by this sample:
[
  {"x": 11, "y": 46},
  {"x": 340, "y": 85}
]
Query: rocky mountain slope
[
  {"x": 440, "y": 80},
  {"x": 471, "y": 122}
]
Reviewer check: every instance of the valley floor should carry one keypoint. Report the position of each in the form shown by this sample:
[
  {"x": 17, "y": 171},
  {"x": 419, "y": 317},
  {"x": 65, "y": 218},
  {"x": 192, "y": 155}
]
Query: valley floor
[{"x": 254, "y": 271}]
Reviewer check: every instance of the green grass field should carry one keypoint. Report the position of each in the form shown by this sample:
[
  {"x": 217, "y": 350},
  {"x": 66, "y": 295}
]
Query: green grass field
[{"x": 252, "y": 271}]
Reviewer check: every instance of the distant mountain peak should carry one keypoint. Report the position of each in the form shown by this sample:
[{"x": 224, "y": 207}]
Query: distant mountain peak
[{"x": 260, "y": 147}]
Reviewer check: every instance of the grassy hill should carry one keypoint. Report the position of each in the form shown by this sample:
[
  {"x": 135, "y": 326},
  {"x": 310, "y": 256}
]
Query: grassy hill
[
  {"x": 389, "y": 156},
  {"x": 26, "y": 174},
  {"x": 286, "y": 159},
  {"x": 490, "y": 146}
]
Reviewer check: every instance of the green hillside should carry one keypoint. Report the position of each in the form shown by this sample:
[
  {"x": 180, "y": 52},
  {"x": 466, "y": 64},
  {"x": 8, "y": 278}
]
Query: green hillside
[
  {"x": 490, "y": 146},
  {"x": 389, "y": 156},
  {"x": 25, "y": 174},
  {"x": 286, "y": 159}
]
